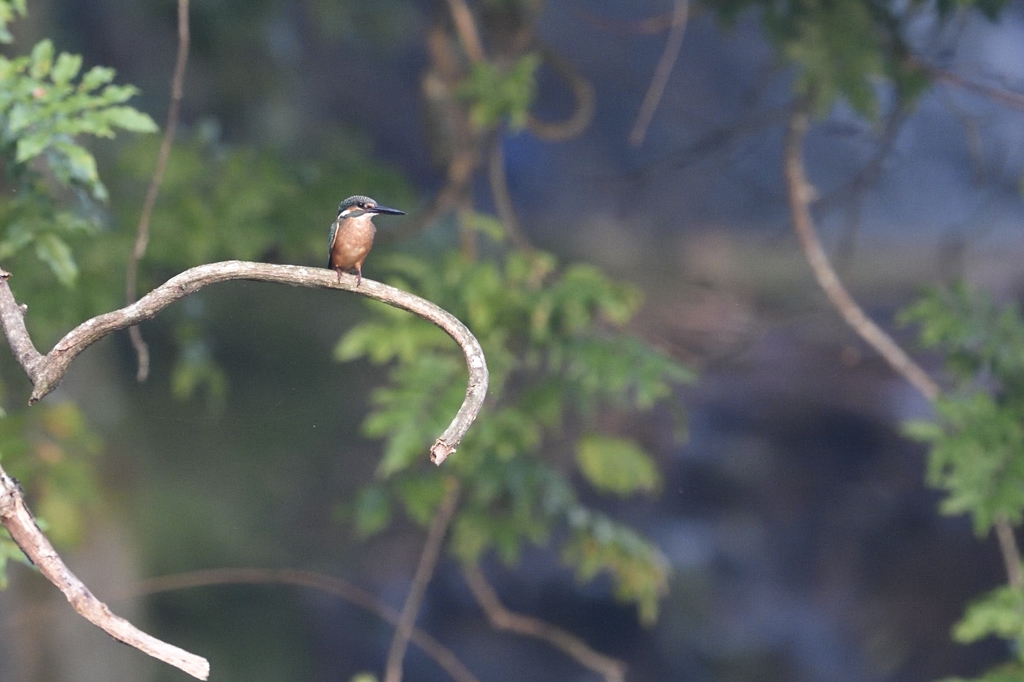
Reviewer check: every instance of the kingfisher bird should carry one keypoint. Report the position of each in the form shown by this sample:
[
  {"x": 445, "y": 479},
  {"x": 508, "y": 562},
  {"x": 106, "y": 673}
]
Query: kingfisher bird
[{"x": 352, "y": 234}]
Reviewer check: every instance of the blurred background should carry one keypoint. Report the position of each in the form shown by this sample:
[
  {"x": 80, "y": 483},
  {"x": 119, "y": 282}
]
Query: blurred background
[{"x": 800, "y": 539}]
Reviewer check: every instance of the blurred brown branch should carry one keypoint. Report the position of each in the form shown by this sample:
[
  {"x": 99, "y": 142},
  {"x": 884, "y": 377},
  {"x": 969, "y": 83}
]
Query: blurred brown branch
[
  {"x": 661, "y": 73},
  {"x": 800, "y": 193},
  {"x": 142, "y": 231},
  {"x": 20, "y": 523},
  {"x": 441, "y": 654},
  {"x": 424, "y": 572},
  {"x": 501, "y": 618}
]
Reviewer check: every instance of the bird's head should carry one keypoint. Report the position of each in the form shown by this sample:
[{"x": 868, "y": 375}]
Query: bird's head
[{"x": 358, "y": 205}]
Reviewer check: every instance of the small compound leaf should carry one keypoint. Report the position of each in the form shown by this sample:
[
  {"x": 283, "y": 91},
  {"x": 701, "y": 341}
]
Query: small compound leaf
[{"x": 617, "y": 465}]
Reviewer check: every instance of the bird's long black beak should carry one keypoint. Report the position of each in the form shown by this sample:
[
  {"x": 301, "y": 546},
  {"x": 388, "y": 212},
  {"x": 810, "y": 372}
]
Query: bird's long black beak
[{"x": 385, "y": 210}]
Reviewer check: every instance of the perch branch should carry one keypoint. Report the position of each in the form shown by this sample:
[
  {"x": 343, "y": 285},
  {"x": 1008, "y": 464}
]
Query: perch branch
[
  {"x": 441, "y": 654},
  {"x": 424, "y": 571},
  {"x": 23, "y": 529},
  {"x": 142, "y": 231},
  {"x": 800, "y": 194},
  {"x": 45, "y": 372},
  {"x": 500, "y": 618},
  {"x": 661, "y": 73}
]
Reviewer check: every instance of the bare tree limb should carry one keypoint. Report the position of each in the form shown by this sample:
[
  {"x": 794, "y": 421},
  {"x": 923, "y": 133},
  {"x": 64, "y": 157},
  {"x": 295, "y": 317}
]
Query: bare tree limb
[
  {"x": 424, "y": 571},
  {"x": 661, "y": 73},
  {"x": 142, "y": 231},
  {"x": 612, "y": 669},
  {"x": 353, "y": 594},
  {"x": 46, "y": 372},
  {"x": 23, "y": 529},
  {"x": 800, "y": 193}
]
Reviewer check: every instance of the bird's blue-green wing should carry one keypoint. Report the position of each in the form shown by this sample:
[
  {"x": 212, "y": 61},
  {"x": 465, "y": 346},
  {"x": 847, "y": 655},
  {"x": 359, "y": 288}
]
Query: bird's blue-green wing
[{"x": 330, "y": 241}]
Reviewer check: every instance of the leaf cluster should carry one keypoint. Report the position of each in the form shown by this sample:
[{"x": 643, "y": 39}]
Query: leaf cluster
[
  {"x": 999, "y": 613},
  {"x": 497, "y": 94},
  {"x": 977, "y": 441},
  {"x": 560, "y": 358},
  {"x": 977, "y": 454},
  {"x": 46, "y": 106}
]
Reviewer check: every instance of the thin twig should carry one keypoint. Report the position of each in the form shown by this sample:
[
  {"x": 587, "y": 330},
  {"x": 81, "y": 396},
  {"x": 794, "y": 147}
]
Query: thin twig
[
  {"x": 502, "y": 200},
  {"x": 424, "y": 571},
  {"x": 1011, "y": 554},
  {"x": 353, "y": 594},
  {"x": 501, "y": 618},
  {"x": 142, "y": 231},
  {"x": 19, "y": 522},
  {"x": 661, "y": 73},
  {"x": 1007, "y": 98},
  {"x": 800, "y": 194}
]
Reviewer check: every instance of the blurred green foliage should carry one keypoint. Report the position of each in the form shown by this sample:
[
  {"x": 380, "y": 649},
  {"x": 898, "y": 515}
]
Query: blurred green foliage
[
  {"x": 843, "y": 49},
  {"x": 52, "y": 185},
  {"x": 497, "y": 95},
  {"x": 561, "y": 362},
  {"x": 977, "y": 440}
]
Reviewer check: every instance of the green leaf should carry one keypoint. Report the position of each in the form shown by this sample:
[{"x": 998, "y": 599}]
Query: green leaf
[
  {"x": 95, "y": 77},
  {"x": 41, "y": 59},
  {"x": 999, "y": 613},
  {"x": 131, "y": 119},
  {"x": 617, "y": 465},
  {"x": 66, "y": 68},
  {"x": 55, "y": 252},
  {"x": 31, "y": 146}
]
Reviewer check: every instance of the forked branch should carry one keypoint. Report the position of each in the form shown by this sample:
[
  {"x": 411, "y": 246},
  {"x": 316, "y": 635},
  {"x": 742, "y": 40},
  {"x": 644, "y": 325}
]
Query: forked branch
[
  {"x": 23, "y": 529},
  {"x": 501, "y": 618},
  {"x": 46, "y": 371}
]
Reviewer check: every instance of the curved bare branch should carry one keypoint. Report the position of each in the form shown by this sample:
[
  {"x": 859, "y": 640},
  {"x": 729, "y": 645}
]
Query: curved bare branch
[
  {"x": 45, "y": 372},
  {"x": 23, "y": 529}
]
